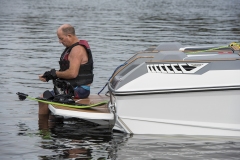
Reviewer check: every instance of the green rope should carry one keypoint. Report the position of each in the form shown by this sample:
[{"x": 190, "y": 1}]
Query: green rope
[
  {"x": 68, "y": 105},
  {"x": 211, "y": 49}
]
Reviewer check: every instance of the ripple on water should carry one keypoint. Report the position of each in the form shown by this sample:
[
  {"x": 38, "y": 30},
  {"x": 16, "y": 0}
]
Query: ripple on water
[{"x": 115, "y": 31}]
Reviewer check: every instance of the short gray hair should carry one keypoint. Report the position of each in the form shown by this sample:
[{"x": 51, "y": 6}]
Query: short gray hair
[{"x": 68, "y": 29}]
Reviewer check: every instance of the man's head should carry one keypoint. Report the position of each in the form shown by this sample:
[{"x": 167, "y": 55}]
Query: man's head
[{"x": 66, "y": 35}]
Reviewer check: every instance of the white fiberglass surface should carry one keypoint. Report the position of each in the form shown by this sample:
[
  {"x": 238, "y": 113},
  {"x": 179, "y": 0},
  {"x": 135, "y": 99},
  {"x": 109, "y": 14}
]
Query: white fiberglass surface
[
  {"x": 158, "y": 81},
  {"x": 209, "y": 107}
]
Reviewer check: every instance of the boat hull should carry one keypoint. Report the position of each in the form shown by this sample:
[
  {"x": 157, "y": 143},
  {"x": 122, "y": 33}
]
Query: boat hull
[
  {"x": 188, "y": 113},
  {"x": 172, "y": 89}
]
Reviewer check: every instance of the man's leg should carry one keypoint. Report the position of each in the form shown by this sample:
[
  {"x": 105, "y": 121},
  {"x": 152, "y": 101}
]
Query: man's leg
[
  {"x": 43, "y": 108},
  {"x": 43, "y": 115}
]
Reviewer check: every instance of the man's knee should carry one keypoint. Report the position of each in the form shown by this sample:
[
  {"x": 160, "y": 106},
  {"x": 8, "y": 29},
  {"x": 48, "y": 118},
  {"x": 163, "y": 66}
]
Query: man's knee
[{"x": 43, "y": 108}]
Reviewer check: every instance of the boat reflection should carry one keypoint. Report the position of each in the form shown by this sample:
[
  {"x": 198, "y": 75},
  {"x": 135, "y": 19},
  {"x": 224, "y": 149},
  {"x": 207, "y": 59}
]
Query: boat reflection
[{"x": 77, "y": 138}]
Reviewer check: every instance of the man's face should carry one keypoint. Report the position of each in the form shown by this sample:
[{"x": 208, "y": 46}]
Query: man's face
[{"x": 63, "y": 38}]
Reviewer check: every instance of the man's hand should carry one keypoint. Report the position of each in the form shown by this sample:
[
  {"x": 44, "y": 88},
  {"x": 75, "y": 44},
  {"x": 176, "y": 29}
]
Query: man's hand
[
  {"x": 49, "y": 75},
  {"x": 42, "y": 78}
]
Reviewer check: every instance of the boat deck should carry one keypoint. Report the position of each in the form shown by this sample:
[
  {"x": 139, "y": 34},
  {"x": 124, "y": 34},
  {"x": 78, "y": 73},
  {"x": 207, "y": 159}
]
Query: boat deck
[
  {"x": 92, "y": 99},
  {"x": 98, "y": 112}
]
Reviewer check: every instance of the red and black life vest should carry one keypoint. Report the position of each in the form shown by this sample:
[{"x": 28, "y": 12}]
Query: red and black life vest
[{"x": 85, "y": 74}]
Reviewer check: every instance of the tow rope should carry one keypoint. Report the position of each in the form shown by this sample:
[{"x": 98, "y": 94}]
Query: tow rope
[
  {"x": 111, "y": 77},
  {"x": 235, "y": 46},
  {"x": 211, "y": 49}
]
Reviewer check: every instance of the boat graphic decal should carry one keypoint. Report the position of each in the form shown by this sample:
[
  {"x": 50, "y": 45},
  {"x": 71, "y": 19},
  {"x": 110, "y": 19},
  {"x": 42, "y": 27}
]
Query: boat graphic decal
[{"x": 175, "y": 68}]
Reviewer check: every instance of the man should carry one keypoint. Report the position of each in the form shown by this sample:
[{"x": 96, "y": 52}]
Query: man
[{"x": 76, "y": 65}]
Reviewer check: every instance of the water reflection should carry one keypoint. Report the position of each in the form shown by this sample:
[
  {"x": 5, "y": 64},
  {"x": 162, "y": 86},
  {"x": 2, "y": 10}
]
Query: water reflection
[
  {"x": 79, "y": 139},
  {"x": 75, "y": 138}
]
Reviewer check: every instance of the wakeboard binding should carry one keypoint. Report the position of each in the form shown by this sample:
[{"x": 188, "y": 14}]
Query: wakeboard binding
[{"x": 66, "y": 95}]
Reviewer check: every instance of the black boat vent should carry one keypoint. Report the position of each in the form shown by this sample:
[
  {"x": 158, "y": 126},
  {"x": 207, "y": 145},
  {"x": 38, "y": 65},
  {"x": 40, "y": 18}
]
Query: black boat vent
[{"x": 175, "y": 68}]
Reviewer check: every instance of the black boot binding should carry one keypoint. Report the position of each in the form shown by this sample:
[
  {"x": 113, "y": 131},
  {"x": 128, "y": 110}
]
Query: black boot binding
[
  {"x": 65, "y": 98},
  {"x": 67, "y": 95}
]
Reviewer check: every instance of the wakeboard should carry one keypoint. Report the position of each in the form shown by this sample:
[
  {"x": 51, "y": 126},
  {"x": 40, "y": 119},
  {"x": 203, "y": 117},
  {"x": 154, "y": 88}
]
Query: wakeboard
[{"x": 23, "y": 96}]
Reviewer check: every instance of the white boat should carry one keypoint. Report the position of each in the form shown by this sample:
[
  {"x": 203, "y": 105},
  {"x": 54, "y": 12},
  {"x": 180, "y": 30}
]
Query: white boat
[{"x": 171, "y": 89}]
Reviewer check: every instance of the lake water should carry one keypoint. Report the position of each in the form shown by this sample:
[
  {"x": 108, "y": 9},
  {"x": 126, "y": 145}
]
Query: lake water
[{"x": 115, "y": 29}]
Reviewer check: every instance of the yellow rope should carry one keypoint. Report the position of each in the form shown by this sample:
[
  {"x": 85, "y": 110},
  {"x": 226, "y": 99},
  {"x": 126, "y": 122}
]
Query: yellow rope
[
  {"x": 211, "y": 49},
  {"x": 234, "y": 45}
]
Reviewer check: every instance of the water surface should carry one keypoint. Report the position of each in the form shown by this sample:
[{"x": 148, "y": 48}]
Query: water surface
[{"x": 115, "y": 29}]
